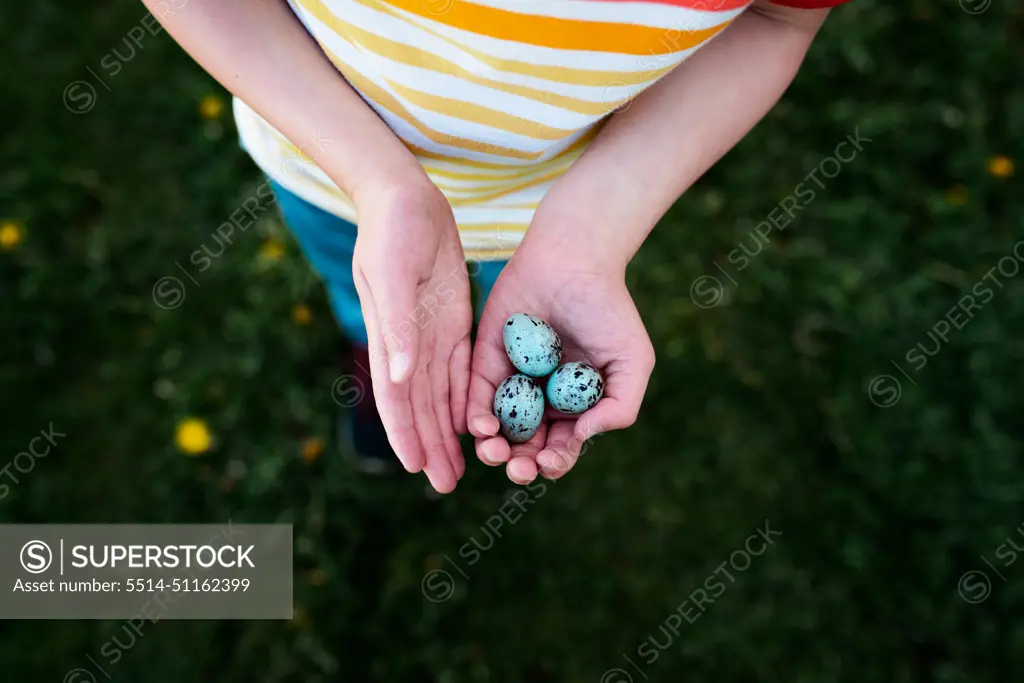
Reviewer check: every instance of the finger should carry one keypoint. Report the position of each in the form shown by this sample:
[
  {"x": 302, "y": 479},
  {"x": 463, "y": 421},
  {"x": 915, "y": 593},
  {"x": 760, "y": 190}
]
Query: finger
[
  {"x": 490, "y": 366},
  {"x": 438, "y": 373},
  {"x": 585, "y": 428},
  {"x": 625, "y": 386},
  {"x": 493, "y": 450},
  {"x": 394, "y": 297},
  {"x": 561, "y": 451},
  {"x": 458, "y": 379},
  {"x": 439, "y": 468},
  {"x": 533, "y": 446},
  {"x": 521, "y": 471},
  {"x": 392, "y": 400},
  {"x": 522, "y": 465}
]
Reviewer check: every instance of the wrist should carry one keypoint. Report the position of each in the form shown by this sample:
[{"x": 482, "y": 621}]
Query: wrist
[
  {"x": 386, "y": 182},
  {"x": 407, "y": 184},
  {"x": 396, "y": 200},
  {"x": 589, "y": 243}
]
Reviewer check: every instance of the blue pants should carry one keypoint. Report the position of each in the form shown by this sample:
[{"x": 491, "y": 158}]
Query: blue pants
[{"x": 328, "y": 242}]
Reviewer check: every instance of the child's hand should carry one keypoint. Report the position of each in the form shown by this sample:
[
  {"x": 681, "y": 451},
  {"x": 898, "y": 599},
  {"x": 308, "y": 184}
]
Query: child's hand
[
  {"x": 593, "y": 313},
  {"x": 410, "y": 272}
]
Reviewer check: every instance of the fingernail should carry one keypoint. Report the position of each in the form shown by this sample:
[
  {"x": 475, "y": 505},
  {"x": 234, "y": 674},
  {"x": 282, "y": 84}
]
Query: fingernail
[{"x": 399, "y": 364}]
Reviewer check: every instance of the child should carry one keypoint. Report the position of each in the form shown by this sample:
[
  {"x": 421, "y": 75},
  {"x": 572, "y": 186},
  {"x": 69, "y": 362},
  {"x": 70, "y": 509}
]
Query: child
[{"x": 447, "y": 128}]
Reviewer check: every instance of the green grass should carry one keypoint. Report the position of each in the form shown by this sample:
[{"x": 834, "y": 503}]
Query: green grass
[{"x": 758, "y": 408}]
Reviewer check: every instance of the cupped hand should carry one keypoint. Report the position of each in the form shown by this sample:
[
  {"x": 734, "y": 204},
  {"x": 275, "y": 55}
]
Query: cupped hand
[
  {"x": 410, "y": 273},
  {"x": 591, "y": 309}
]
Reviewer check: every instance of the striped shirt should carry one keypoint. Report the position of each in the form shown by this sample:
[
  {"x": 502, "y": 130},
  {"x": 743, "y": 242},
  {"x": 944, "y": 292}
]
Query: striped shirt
[{"x": 496, "y": 98}]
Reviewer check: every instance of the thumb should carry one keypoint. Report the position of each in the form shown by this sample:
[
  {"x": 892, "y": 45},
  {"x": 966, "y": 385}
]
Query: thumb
[
  {"x": 394, "y": 298},
  {"x": 625, "y": 385}
]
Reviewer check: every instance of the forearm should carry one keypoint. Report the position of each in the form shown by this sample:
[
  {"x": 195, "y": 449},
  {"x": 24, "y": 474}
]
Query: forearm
[
  {"x": 650, "y": 153},
  {"x": 259, "y": 51}
]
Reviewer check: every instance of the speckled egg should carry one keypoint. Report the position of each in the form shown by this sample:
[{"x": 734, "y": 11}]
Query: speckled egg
[
  {"x": 575, "y": 388},
  {"x": 532, "y": 345},
  {"x": 519, "y": 405}
]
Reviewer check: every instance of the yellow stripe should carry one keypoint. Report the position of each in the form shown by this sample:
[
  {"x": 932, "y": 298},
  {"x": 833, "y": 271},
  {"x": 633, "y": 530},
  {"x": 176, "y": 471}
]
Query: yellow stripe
[
  {"x": 579, "y": 144},
  {"x": 551, "y": 73},
  {"x": 481, "y": 186},
  {"x": 287, "y": 150},
  {"x": 385, "y": 100},
  {"x": 528, "y": 205},
  {"x": 414, "y": 56},
  {"x": 489, "y": 255},
  {"x": 495, "y": 227},
  {"x": 479, "y": 114},
  {"x": 471, "y": 194},
  {"x": 467, "y": 201},
  {"x": 457, "y": 175}
]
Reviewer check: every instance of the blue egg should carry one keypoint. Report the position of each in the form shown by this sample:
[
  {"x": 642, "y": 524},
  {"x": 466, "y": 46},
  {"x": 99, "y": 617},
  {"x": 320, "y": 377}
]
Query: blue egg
[
  {"x": 575, "y": 388},
  {"x": 519, "y": 405},
  {"x": 532, "y": 345}
]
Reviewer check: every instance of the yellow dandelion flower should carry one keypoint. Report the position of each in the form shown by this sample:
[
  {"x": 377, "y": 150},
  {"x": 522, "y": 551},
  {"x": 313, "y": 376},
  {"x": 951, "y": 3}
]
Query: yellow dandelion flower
[
  {"x": 301, "y": 314},
  {"x": 311, "y": 449},
  {"x": 1000, "y": 166},
  {"x": 192, "y": 436},
  {"x": 211, "y": 107},
  {"x": 956, "y": 195},
  {"x": 10, "y": 235},
  {"x": 271, "y": 251}
]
